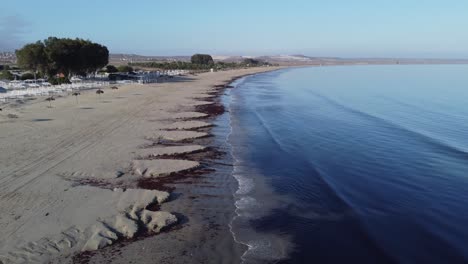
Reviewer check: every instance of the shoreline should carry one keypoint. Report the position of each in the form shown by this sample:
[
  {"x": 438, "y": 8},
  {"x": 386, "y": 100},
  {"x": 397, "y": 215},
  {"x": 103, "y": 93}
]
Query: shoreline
[
  {"x": 93, "y": 166},
  {"x": 212, "y": 246}
]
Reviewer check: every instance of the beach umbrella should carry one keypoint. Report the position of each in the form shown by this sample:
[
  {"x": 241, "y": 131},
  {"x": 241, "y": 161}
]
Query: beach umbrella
[
  {"x": 99, "y": 92},
  {"x": 114, "y": 88},
  {"x": 76, "y": 95},
  {"x": 50, "y": 99}
]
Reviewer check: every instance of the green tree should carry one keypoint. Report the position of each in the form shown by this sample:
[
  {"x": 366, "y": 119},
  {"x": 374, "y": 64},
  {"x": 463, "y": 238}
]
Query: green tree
[
  {"x": 32, "y": 57},
  {"x": 28, "y": 76},
  {"x": 203, "y": 59},
  {"x": 63, "y": 55},
  {"x": 93, "y": 56},
  {"x": 111, "y": 69},
  {"x": 251, "y": 62},
  {"x": 125, "y": 68},
  {"x": 6, "y": 75}
]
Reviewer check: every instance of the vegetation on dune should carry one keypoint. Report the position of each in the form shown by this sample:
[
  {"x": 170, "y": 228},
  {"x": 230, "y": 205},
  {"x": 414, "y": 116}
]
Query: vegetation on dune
[
  {"x": 63, "y": 56},
  {"x": 200, "y": 62},
  {"x": 202, "y": 59},
  {"x": 111, "y": 69},
  {"x": 125, "y": 68},
  {"x": 251, "y": 62},
  {"x": 173, "y": 65}
]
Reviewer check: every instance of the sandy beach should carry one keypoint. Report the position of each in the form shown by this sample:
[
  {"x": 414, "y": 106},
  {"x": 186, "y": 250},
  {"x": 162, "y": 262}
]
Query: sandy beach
[{"x": 89, "y": 180}]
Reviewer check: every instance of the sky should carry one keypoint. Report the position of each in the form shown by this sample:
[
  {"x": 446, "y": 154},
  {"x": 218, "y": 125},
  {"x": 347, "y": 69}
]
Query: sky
[{"x": 335, "y": 28}]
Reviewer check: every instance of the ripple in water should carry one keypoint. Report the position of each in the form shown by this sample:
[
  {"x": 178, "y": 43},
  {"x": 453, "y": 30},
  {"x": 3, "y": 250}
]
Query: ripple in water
[{"x": 363, "y": 164}]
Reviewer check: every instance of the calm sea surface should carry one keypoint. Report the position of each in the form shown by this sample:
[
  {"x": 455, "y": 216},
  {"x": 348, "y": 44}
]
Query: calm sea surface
[{"x": 352, "y": 164}]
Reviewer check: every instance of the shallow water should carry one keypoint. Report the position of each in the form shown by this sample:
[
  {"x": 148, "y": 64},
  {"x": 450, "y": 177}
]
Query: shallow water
[{"x": 355, "y": 164}]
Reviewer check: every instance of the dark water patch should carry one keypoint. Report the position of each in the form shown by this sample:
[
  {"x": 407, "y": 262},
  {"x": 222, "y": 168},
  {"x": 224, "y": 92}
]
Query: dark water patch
[{"x": 341, "y": 171}]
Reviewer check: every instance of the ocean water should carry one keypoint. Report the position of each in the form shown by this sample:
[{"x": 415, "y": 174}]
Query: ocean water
[{"x": 351, "y": 164}]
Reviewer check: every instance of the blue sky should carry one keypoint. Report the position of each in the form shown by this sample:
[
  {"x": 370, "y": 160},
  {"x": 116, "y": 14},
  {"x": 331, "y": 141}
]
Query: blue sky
[{"x": 346, "y": 28}]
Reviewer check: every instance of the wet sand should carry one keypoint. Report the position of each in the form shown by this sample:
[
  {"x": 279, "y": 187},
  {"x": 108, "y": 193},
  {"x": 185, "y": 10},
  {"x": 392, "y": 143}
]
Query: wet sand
[{"x": 128, "y": 173}]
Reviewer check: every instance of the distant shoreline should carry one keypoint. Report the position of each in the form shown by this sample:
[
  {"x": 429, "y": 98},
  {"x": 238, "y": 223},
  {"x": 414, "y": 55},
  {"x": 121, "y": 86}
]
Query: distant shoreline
[{"x": 8, "y": 58}]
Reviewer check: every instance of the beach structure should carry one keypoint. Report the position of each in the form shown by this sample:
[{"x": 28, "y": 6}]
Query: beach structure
[
  {"x": 75, "y": 79},
  {"x": 139, "y": 77},
  {"x": 148, "y": 77},
  {"x": 19, "y": 89}
]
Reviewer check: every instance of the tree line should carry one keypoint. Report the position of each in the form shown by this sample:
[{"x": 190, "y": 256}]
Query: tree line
[
  {"x": 200, "y": 62},
  {"x": 81, "y": 57},
  {"x": 180, "y": 65},
  {"x": 62, "y": 56}
]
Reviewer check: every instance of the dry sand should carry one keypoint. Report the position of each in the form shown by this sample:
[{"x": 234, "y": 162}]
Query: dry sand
[{"x": 69, "y": 174}]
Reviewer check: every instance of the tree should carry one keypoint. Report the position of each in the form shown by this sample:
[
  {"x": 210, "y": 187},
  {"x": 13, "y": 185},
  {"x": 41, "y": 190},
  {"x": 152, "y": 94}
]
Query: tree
[
  {"x": 63, "y": 55},
  {"x": 251, "y": 62},
  {"x": 6, "y": 75},
  {"x": 111, "y": 69},
  {"x": 203, "y": 59},
  {"x": 32, "y": 57},
  {"x": 28, "y": 76},
  {"x": 93, "y": 56},
  {"x": 125, "y": 68}
]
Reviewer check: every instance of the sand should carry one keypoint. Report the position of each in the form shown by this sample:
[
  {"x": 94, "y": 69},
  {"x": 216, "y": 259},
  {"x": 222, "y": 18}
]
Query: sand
[{"x": 69, "y": 173}]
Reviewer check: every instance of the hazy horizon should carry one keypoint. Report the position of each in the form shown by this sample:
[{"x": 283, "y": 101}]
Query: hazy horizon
[{"x": 362, "y": 29}]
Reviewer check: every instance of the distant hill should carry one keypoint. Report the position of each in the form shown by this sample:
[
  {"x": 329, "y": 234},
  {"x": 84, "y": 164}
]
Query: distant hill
[{"x": 307, "y": 60}]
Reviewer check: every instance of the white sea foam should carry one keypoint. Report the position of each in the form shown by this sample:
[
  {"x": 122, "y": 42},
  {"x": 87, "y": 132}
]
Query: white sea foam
[
  {"x": 246, "y": 185},
  {"x": 261, "y": 248},
  {"x": 246, "y": 207}
]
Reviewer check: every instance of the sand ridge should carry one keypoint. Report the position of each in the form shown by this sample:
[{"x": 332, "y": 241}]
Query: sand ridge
[{"x": 170, "y": 150}]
